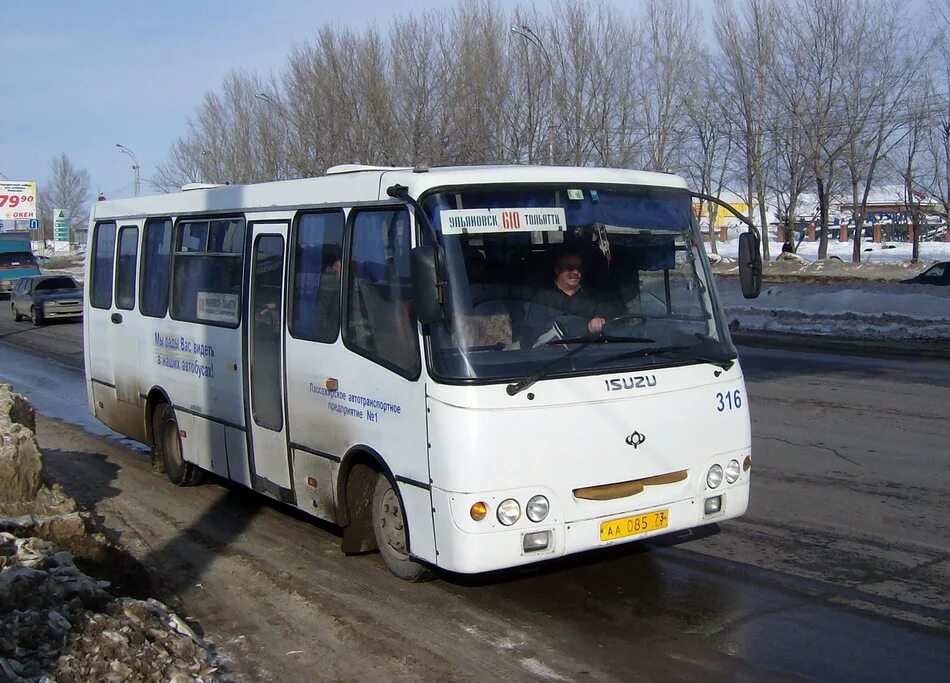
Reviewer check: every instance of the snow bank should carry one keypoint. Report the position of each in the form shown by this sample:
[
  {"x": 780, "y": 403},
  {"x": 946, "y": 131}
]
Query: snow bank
[
  {"x": 859, "y": 310},
  {"x": 890, "y": 252}
]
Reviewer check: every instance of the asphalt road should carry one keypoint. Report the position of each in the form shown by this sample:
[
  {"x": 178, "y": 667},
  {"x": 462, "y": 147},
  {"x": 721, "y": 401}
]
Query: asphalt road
[{"x": 839, "y": 571}]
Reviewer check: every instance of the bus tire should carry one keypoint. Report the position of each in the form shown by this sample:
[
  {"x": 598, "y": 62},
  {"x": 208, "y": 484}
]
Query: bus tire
[
  {"x": 168, "y": 447},
  {"x": 389, "y": 527}
]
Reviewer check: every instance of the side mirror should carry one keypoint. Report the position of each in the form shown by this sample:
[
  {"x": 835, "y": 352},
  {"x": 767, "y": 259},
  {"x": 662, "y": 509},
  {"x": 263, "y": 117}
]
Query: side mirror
[
  {"x": 750, "y": 265},
  {"x": 425, "y": 266}
]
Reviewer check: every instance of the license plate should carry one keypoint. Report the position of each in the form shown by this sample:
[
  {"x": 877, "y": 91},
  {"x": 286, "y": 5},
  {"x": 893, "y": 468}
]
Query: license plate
[{"x": 631, "y": 526}]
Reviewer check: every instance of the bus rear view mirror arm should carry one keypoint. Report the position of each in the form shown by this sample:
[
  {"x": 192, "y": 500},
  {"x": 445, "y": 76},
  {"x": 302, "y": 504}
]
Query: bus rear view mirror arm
[
  {"x": 750, "y": 258},
  {"x": 427, "y": 283}
]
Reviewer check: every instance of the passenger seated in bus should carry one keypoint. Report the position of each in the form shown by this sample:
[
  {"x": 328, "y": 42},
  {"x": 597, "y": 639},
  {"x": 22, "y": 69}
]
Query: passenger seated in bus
[
  {"x": 328, "y": 296},
  {"x": 566, "y": 298},
  {"x": 487, "y": 321}
]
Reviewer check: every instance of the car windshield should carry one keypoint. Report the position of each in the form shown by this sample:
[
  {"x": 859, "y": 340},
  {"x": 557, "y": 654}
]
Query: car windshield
[
  {"x": 570, "y": 280},
  {"x": 14, "y": 259},
  {"x": 56, "y": 283}
]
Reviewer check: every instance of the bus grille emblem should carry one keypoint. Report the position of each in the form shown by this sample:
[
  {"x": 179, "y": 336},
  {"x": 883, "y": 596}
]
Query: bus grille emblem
[{"x": 635, "y": 439}]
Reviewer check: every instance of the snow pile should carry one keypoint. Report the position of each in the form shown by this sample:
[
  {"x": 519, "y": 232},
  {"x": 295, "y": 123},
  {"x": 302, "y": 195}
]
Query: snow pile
[
  {"x": 871, "y": 252},
  {"x": 857, "y": 310},
  {"x": 57, "y": 623}
]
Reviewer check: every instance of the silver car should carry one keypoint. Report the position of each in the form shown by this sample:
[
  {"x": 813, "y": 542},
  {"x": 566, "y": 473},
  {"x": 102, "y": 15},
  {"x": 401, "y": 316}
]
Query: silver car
[{"x": 46, "y": 297}]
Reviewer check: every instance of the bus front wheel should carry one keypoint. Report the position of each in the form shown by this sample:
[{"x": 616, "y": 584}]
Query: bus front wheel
[
  {"x": 168, "y": 449},
  {"x": 389, "y": 527}
]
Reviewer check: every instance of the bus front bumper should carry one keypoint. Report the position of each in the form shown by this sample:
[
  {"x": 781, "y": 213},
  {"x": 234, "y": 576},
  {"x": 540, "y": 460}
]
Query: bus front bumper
[{"x": 498, "y": 548}]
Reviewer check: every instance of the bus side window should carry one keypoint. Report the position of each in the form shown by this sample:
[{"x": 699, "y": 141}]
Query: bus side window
[
  {"x": 156, "y": 260},
  {"x": 379, "y": 320},
  {"x": 125, "y": 268},
  {"x": 103, "y": 264},
  {"x": 207, "y": 270},
  {"x": 318, "y": 253}
]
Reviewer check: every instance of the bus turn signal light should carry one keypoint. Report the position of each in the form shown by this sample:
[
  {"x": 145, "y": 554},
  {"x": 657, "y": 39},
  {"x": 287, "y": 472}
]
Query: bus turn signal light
[
  {"x": 331, "y": 384},
  {"x": 478, "y": 512},
  {"x": 747, "y": 463}
]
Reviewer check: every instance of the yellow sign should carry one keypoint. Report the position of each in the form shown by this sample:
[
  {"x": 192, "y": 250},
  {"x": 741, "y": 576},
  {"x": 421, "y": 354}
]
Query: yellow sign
[{"x": 17, "y": 200}]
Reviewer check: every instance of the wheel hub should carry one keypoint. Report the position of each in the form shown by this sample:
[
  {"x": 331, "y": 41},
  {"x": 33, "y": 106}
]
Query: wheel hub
[{"x": 391, "y": 524}]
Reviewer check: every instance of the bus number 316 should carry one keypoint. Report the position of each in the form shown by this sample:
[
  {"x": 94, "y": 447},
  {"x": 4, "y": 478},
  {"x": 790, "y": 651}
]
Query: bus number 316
[{"x": 728, "y": 401}]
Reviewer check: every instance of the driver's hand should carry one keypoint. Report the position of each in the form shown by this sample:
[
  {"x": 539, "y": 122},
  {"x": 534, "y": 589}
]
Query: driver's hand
[{"x": 596, "y": 325}]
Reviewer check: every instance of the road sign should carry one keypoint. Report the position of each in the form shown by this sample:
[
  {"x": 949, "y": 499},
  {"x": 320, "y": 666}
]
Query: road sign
[
  {"x": 34, "y": 224},
  {"x": 60, "y": 226},
  {"x": 17, "y": 200}
]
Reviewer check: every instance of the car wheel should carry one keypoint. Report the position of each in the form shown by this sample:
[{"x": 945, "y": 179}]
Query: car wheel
[
  {"x": 168, "y": 447},
  {"x": 36, "y": 316},
  {"x": 16, "y": 315},
  {"x": 389, "y": 527}
]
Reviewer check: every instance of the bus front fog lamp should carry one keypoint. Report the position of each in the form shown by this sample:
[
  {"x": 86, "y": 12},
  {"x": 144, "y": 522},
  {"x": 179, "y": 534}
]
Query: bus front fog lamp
[
  {"x": 537, "y": 508},
  {"x": 509, "y": 512},
  {"x": 714, "y": 476},
  {"x": 535, "y": 541},
  {"x": 712, "y": 505},
  {"x": 732, "y": 471}
]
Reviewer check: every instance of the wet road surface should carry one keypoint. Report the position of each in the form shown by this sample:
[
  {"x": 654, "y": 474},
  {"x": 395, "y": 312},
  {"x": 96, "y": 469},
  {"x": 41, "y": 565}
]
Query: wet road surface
[{"x": 840, "y": 570}]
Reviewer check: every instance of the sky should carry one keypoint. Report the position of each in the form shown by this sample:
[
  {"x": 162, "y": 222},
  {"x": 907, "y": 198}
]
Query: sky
[{"x": 80, "y": 77}]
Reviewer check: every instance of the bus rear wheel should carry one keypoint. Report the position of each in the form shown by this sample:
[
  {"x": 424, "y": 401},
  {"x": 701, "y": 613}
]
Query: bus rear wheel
[
  {"x": 389, "y": 527},
  {"x": 168, "y": 449}
]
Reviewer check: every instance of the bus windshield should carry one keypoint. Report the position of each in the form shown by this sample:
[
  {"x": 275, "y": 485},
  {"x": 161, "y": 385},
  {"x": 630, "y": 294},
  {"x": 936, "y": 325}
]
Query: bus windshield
[{"x": 571, "y": 280}]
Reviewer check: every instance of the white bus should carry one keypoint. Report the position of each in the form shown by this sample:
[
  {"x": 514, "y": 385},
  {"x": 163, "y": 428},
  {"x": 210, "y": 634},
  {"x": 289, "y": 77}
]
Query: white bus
[{"x": 466, "y": 368}]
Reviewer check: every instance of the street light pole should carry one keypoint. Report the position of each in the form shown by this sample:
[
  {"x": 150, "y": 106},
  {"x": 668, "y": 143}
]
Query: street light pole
[
  {"x": 135, "y": 166},
  {"x": 532, "y": 38}
]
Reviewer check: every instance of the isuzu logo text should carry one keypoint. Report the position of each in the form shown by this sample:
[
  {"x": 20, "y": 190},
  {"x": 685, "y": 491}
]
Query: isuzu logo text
[{"x": 635, "y": 382}]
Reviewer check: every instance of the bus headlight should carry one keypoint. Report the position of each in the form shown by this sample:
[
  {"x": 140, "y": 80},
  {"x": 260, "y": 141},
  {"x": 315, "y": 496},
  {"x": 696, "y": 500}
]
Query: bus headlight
[
  {"x": 714, "y": 476},
  {"x": 732, "y": 471},
  {"x": 509, "y": 512},
  {"x": 537, "y": 508}
]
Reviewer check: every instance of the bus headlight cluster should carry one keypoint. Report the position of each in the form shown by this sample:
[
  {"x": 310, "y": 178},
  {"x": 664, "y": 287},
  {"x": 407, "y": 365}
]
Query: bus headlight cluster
[
  {"x": 716, "y": 474},
  {"x": 509, "y": 510},
  {"x": 537, "y": 508},
  {"x": 732, "y": 471}
]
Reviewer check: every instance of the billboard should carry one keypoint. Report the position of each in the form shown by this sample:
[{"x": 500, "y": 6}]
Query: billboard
[{"x": 17, "y": 200}]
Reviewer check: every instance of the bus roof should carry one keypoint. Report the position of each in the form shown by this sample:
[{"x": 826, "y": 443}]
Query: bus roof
[{"x": 353, "y": 183}]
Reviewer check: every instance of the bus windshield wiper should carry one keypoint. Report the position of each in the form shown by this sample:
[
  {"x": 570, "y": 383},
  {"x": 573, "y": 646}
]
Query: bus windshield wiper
[
  {"x": 584, "y": 342},
  {"x": 693, "y": 352}
]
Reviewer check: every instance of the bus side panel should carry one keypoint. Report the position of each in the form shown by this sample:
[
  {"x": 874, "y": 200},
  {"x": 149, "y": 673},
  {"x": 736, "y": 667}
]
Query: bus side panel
[
  {"x": 315, "y": 481},
  {"x": 198, "y": 368},
  {"x": 202, "y": 442},
  {"x": 417, "y": 504},
  {"x": 238, "y": 467},
  {"x": 124, "y": 418}
]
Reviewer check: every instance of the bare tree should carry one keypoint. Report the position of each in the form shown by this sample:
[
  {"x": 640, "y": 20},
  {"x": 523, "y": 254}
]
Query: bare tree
[
  {"x": 669, "y": 26},
  {"x": 68, "y": 189},
  {"x": 747, "y": 44},
  {"x": 710, "y": 139},
  {"x": 881, "y": 78}
]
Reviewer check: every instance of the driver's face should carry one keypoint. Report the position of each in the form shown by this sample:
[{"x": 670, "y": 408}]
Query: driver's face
[{"x": 569, "y": 273}]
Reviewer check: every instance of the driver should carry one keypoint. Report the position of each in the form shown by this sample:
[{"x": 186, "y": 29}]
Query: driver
[{"x": 566, "y": 297}]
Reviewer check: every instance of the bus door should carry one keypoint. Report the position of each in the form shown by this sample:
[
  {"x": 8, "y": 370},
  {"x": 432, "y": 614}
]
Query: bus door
[{"x": 264, "y": 361}]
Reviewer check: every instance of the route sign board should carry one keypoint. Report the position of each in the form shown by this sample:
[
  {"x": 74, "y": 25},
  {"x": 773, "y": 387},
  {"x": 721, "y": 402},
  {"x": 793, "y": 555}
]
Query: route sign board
[{"x": 17, "y": 200}]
